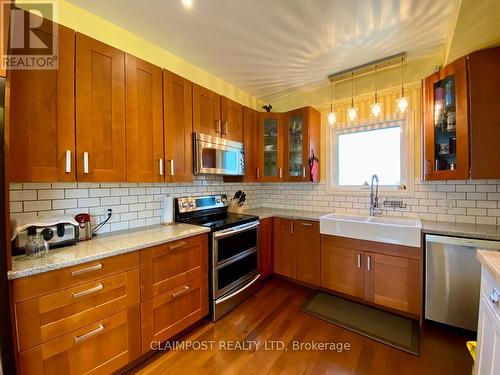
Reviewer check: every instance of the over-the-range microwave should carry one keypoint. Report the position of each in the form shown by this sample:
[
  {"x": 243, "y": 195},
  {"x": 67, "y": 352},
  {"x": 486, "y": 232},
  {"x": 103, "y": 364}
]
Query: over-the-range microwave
[{"x": 215, "y": 155}]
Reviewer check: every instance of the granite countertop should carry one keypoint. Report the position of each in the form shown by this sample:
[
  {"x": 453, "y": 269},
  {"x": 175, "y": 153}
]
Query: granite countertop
[
  {"x": 266, "y": 212},
  {"x": 102, "y": 246},
  {"x": 491, "y": 261}
]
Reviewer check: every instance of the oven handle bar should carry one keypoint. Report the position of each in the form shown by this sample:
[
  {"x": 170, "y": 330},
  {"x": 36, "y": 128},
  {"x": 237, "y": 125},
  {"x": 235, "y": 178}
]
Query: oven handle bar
[
  {"x": 235, "y": 230},
  {"x": 235, "y": 258},
  {"x": 220, "y": 300}
]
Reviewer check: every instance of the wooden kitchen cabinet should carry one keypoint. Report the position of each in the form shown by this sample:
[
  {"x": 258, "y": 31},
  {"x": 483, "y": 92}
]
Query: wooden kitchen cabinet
[
  {"x": 41, "y": 134},
  {"x": 174, "y": 288},
  {"x": 270, "y": 147},
  {"x": 232, "y": 120},
  {"x": 206, "y": 111},
  {"x": 301, "y": 144},
  {"x": 100, "y": 111},
  {"x": 178, "y": 128},
  {"x": 4, "y": 33},
  {"x": 341, "y": 268},
  {"x": 144, "y": 121},
  {"x": 285, "y": 247},
  {"x": 266, "y": 247},
  {"x": 308, "y": 252},
  {"x": 393, "y": 282}
]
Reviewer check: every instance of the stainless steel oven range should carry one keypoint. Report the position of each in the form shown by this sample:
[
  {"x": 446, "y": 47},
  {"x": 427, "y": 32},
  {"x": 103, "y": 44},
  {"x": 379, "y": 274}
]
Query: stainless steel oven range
[{"x": 234, "y": 249}]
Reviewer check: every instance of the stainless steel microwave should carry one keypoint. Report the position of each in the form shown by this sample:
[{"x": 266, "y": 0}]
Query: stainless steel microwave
[{"x": 214, "y": 155}]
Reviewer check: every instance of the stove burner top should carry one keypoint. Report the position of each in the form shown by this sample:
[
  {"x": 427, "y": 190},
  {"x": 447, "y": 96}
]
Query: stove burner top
[{"x": 221, "y": 221}]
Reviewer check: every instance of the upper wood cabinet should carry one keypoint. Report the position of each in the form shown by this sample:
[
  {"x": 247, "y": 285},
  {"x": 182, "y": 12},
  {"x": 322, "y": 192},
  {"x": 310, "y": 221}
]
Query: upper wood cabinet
[
  {"x": 144, "y": 121},
  {"x": 301, "y": 144},
  {"x": 206, "y": 111},
  {"x": 41, "y": 141},
  {"x": 178, "y": 127},
  {"x": 462, "y": 120},
  {"x": 100, "y": 111},
  {"x": 270, "y": 147},
  {"x": 232, "y": 120}
]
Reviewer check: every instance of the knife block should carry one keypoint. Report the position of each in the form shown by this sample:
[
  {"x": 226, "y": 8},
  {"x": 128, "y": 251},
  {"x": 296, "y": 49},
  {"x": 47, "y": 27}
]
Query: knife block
[{"x": 234, "y": 208}]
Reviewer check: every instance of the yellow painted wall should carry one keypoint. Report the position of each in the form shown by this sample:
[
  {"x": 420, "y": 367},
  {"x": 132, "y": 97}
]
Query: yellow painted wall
[{"x": 98, "y": 28}]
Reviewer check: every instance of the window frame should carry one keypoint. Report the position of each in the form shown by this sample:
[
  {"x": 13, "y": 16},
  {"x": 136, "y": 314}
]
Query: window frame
[{"x": 407, "y": 147}]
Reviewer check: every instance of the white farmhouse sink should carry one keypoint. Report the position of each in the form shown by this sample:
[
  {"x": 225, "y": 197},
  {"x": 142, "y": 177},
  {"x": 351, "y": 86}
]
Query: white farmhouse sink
[{"x": 381, "y": 229}]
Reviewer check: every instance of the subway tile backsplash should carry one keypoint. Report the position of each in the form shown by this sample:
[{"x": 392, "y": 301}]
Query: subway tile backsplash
[{"x": 138, "y": 204}]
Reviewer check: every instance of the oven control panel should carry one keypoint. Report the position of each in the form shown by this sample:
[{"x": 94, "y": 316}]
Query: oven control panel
[{"x": 189, "y": 204}]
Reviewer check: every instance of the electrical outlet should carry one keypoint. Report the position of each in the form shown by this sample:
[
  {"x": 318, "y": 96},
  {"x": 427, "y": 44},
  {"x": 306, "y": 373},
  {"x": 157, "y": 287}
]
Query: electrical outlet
[{"x": 449, "y": 203}]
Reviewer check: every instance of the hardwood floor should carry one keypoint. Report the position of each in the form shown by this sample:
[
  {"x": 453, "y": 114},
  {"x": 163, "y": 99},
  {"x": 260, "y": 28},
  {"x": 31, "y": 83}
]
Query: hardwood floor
[{"x": 273, "y": 314}]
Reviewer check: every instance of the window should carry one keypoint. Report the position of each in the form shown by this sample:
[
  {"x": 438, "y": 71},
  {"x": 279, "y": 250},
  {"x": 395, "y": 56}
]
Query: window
[{"x": 382, "y": 148}]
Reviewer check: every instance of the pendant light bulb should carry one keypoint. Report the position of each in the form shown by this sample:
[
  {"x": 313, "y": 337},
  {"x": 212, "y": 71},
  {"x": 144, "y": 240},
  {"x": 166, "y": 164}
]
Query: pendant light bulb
[
  {"x": 376, "y": 107},
  {"x": 352, "y": 113},
  {"x": 332, "y": 116},
  {"x": 403, "y": 102}
]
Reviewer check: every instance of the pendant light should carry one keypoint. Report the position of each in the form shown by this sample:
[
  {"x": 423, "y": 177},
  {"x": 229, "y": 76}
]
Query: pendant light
[
  {"x": 352, "y": 112},
  {"x": 376, "y": 107},
  {"x": 332, "y": 116},
  {"x": 403, "y": 102}
]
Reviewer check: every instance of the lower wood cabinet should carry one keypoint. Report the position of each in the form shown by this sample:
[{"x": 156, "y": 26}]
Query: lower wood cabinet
[
  {"x": 297, "y": 250},
  {"x": 266, "y": 247},
  {"x": 382, "y": 274}
]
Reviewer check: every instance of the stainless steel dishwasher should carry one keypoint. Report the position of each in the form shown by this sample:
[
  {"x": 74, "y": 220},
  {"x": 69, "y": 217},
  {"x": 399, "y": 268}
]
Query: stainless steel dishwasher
[{"x": 452, "y": 279}]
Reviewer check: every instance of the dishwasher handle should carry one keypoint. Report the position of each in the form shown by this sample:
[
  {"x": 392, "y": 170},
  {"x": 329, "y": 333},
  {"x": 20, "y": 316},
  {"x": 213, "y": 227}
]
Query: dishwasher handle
[{"x": 467, "y": 242}]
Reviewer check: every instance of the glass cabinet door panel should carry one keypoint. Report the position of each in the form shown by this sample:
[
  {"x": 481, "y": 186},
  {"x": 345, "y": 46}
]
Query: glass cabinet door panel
[
  {"x": 270, "y": 147},
  {"x": 295, "y": 134},
  {"x": 445, "y": 125}
]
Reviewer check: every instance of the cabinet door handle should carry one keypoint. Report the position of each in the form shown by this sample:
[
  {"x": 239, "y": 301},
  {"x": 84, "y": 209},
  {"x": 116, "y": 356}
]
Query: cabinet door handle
[
  {"x": 306, "y": 224},
  {"x": 171, "y": 167},
  {"x": 281, "y": 172},
  {"x": 68, "y": 161},
  {"x": 83, "y": 293},
  {"x": 180, "y": 293},
  {"x": 225, "y": 128},
  {"x": 160, "y": 166},
  {"x": 219, "y": 130},
  {"x": 495, "y": 296},
  {"x": 291, "y": 227},
  {"x": 86, "y": 269},
  {"x": 258, "y": 173},
  {"x": 303, "y": 171},
  {"x": 87, "y": 335},
  {"x": 177, "y": 245},
  {"x": 358, "y": 260},
  {"x": 368, "y": 263},
  {"x": 86, "y": 162}
]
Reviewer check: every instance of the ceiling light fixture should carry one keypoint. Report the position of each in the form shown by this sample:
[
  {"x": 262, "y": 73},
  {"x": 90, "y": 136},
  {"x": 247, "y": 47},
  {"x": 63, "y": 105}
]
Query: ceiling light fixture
[
  {"x": 376, "y": 107},
  {"x": 332, "y": 116},
  {"x": 352, "y": 112},
  {"x": 188, "y": 4},
  {"x": 403, "y": 102}
]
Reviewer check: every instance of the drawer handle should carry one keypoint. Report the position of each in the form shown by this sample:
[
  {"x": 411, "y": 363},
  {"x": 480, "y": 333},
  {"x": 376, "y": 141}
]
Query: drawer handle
[
  {"x": 181, "y": 292},
  {"x": 368, "y": 263},
  {"x": 87, "y": 269},
  {"x": 358, "y": 260},
  {"x": 88, "y": 291},
  {"x": 176, "y": 246},
  {"x": 495, "y": 296},
  {"x": 79, "y": 339},
  {"x": 306, "y": 224}
]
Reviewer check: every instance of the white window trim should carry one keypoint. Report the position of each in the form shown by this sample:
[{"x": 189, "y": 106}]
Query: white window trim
[{"x": 406, "y": 121}]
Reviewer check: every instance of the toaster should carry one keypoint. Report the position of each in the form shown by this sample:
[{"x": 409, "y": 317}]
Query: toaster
[{"x": 57, "y": 235}]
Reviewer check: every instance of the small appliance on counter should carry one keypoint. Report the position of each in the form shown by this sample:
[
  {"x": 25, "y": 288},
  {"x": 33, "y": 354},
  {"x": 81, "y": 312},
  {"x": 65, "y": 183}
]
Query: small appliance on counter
[
  {"x": 84, "y": 227},
  {"x": 51, "y": 232}
]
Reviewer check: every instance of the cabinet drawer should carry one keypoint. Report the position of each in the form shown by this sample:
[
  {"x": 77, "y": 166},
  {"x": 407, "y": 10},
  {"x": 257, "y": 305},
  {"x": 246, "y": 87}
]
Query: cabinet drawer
[
  {"x": 47, "y": 317},
  {"x": 168, "y": 266},
  {"x": 98, "y": 348},
  {"x": 48, "y": 282},
  {"x": 167, "y": 314}
]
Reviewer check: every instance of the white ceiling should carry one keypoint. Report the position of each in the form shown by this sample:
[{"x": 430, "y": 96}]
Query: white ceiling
[{"x": 271, "y": 48}]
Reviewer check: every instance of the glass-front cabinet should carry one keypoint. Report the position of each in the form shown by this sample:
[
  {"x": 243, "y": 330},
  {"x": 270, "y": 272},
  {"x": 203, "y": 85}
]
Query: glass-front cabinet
[
  {"x": 271, "y": 147},
  {"x": 446, "y": 124}
]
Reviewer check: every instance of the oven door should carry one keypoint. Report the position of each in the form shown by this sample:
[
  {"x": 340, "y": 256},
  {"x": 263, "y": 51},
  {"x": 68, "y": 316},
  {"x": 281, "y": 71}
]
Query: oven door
[
  {"x": 215, "y": 155},
  {"x": 235, "y": 257}
]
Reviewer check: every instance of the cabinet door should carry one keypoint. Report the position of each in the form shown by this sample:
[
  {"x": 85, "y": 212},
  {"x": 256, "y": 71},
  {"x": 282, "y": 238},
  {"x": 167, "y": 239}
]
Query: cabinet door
[
  {"x": 100, "y": 111},
  {"x": 446, "y": 125},
  {"x": 393, "y": 282},
  {"x": 232, "y": 120},
  {"x": 270, "y": 147},
  {"x": 266, "y": 247},
  {"x": 206, "y": 111},
  {"x": 285, "y": 248},
  {"x": 42, "y": 122},
  {"x": 308, "y": 252},
  {"x": 178, "y": 110},
  {"x": 296, "y": 145},
  {"x": 4, "y": 33},
  {"x": 144, "y": 121},
  {"x": 341, "y": 268},
  {"x": 488, "y": 340}
]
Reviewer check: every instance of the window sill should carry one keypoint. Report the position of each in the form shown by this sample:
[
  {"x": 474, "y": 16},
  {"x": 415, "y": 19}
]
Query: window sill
[{"x": 363, "y": 191}]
